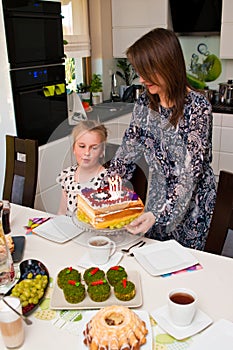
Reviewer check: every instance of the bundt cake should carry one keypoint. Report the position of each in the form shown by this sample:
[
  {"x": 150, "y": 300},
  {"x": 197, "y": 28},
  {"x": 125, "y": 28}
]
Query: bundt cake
[{"x": 115, "y": 327}]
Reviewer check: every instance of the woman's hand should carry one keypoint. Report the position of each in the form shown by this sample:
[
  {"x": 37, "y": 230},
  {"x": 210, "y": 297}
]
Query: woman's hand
[{"x": 141, "y": 224}]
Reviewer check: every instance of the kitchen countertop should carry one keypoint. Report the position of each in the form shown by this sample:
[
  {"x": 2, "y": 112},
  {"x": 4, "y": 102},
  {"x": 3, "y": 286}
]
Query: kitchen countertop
[
  {"x": 103, "y": 112},
  {"x": 221, "y": 108},
  {"x": 110, "y": 110}
]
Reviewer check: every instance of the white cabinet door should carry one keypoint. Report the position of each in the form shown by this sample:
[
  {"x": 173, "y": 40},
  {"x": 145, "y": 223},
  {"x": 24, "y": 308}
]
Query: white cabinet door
[
  {"x": 226, "y": 146},
  {"x": 216, "y": 141},
  {"x": 227, "y": 11},
  {"x": 125, "y": 37},
  {"x": 226, "y": 47},
  {"x": 136, "y": 13},
  {"x": 133, "y": 18}
]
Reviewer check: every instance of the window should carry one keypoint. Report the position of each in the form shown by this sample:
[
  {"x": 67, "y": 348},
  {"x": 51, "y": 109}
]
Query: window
[{"x": 76, "y": 34}]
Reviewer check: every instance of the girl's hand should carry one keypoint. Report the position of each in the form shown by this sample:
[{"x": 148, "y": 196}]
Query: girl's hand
[{"x": 141, "y": 224}]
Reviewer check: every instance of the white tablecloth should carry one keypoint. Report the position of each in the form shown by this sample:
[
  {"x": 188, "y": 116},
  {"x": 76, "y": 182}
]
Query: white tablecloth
[{"x": 213, "y": 284}]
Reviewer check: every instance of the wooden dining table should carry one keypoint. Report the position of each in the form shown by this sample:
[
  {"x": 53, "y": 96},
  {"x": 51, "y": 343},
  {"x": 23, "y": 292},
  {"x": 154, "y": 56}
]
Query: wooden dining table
[{"x": 212, "y": 283}]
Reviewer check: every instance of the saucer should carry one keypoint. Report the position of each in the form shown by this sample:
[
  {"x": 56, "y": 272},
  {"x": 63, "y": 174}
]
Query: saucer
[
  {"x": 86, "y": 262},
  {"x": 200, "y": 322}
]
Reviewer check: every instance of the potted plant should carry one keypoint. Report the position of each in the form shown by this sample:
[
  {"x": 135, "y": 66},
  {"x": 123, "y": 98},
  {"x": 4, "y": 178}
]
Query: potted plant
[
  {"x": 127, "y": 72},
  {"x": 96, "y": 89}
]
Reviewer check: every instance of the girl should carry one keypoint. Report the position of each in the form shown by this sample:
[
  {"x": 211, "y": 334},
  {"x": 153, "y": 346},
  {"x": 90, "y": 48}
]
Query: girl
[{"x": 89, "y": 138}]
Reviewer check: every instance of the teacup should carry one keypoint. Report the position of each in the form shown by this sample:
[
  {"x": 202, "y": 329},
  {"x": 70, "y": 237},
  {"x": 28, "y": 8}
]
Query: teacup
[
  {"x": 100, "y": 249},
  {"x": 182, "y": 305}
]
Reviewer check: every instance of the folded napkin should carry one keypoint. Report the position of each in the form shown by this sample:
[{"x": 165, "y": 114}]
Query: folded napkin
[
  {"x": 188, "y": 269},
  {"x": 59, "y": 229},
  {"x": 33, "y": 223}
]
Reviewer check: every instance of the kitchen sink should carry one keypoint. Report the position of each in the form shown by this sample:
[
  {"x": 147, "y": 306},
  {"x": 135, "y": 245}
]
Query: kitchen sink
[{"x": 110, "y": 110}]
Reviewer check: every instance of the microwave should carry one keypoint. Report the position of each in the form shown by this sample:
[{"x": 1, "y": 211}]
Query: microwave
[{"x": 34, "y": 33}]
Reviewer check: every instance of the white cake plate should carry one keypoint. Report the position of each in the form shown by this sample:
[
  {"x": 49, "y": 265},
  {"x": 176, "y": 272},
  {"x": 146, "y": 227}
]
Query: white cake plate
[{"x": 120, "y": 236}]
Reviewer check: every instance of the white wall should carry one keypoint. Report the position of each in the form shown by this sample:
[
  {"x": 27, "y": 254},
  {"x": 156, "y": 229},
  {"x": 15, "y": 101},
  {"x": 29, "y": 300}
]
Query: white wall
[{"x": 7, "y": 118}]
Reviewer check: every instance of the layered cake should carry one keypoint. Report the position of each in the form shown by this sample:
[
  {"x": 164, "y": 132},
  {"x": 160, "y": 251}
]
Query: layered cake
[
  {"x": 105, "y": 208},
  {"x": 115, "y": 327}
]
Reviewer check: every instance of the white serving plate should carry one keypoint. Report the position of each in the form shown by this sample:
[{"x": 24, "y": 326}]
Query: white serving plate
[
  {"x": 141, "y": 313},
  {"x": 219, "y": 336},
  {"x": 200, "y": 322},
  {"x": 59, "y": 229},
  {"x": 164, "y": 257},
  {"x": 58, "y": 301}
]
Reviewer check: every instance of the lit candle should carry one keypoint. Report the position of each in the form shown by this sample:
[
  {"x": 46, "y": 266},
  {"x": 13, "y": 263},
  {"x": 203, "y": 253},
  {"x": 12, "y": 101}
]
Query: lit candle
[{"x": 115, "y": 186}]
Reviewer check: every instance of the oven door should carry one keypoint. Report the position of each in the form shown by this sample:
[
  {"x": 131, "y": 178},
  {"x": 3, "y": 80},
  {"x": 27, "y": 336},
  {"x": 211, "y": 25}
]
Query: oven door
[
  {"x": 39, "y": 113},
  {"x": 34, "y": 33}
]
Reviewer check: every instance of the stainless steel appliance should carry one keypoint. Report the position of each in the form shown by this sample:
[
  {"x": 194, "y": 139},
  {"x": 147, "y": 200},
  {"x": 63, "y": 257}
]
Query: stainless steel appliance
[
  {"x": 36, "y": 55},
  {"x": 226, "y": 92}
]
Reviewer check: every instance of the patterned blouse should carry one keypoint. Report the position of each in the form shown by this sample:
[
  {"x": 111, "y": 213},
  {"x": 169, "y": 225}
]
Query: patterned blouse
[
  {"x": 182, "y": 188},
  {"x": 67, "y": 180}
]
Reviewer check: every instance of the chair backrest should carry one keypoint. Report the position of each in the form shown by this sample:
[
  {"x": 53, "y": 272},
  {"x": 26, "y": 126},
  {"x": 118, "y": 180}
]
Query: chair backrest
[
  {"x": 222, "y": 219},
  {"x": 140, "y": 175},
  {"x": 21, "y": 171}
]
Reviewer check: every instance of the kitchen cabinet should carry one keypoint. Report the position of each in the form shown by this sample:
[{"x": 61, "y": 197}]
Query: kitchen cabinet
[
  {"x": 133, "y": 18},
  {"x": 222, "y": 143},
  {"x": 226, "y": 49}
]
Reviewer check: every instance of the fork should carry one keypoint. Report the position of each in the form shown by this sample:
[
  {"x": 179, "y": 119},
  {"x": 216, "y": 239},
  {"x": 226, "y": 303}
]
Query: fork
[
  {"x": 140, "y": 245},
  {"x": 134, "y": 245}
]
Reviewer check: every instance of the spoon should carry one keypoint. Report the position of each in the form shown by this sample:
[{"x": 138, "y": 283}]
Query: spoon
[
  {"x": 24, "y": 318},
  {"x": 134, "y": 245},
  {"x": 140, "y": 245}
]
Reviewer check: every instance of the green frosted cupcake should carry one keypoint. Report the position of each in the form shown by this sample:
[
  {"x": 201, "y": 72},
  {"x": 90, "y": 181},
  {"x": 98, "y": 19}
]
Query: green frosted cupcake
[
  {"x": 74, "y": 292},
  {"x": 68, "y": 273},
  {"x": 93, "y": 274},
  {"x": 116, "y": 274},
  {"x": 125, "y": 290},
  {"x": 99, "y": 290}
]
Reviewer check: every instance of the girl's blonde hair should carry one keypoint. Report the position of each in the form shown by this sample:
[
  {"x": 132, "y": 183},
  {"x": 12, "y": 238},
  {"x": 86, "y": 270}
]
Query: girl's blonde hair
[{"x": 89, "y": 125}]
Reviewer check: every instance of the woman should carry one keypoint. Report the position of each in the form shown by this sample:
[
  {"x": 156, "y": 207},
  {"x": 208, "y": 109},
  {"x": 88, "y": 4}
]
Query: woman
[
  {"x": 89, "y": 138},
  {"x": 171, "y": 125}
]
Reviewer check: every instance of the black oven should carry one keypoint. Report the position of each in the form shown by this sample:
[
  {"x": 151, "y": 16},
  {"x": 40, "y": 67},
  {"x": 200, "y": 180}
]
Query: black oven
[
  {"x": 35, "y": 47},
  {"x": 40, "y": 101},
  {"x": 33, "y": 32}
]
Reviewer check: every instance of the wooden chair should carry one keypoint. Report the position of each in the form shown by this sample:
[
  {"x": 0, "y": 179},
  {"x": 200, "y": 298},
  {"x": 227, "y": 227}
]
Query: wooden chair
[
  {"x": 222, "y": 219},
  {"x": 21, "y": 171},
  {"x": 139, "y": 180}
]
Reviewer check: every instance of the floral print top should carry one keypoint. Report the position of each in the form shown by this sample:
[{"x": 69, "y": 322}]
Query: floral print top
[
  {"x": 182, "y": 188},
  {"x": 67, "y": 181}
]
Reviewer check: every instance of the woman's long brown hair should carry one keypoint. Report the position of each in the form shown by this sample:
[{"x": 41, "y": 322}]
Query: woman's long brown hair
[{"x": 159, "y": 51}]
